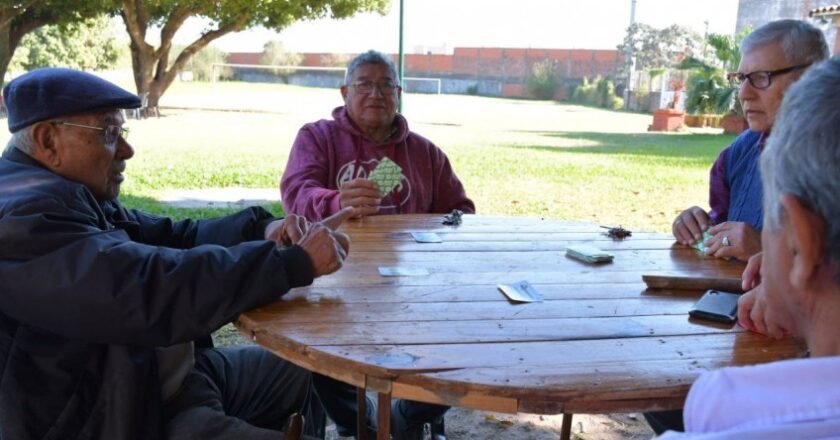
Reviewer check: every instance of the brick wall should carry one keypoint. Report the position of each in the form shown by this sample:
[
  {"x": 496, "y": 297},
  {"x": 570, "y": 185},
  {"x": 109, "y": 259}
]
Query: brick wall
[{"x": 507, "y": 67}]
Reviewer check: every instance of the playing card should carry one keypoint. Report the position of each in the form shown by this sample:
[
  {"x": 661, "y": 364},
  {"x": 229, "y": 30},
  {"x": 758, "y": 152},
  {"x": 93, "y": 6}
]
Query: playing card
[
  {"x": 588, "y": 254},
  {"x": 402, "y": 271},
  {"x": 426, "y": 237},
  {"x": 386, "y": 175},
  {"x": 701, "y": 244},
  {"x": 521, "y": 291}
]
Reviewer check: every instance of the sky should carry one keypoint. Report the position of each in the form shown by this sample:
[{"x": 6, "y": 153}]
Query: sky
[{"x": 440, "y": 25}]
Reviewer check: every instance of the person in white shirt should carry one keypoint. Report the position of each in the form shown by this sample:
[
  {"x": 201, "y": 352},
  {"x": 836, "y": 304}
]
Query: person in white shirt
[{"x": 795, "y": 283}]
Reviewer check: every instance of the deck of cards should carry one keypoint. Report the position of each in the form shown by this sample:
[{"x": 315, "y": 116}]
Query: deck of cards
[
  {"x": 701, "y": 243},
  {"x": 521, "y": 291},
  {"x": 588, "y": 254},
  {"x": 387, "y": 175},
  {"x": 426, "y": 237}
]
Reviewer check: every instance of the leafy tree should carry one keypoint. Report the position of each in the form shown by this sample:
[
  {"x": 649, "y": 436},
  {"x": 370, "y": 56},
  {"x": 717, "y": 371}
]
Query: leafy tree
[
  {"x": 274, "y": 54},
  {"x": 20, "y": 17},
  {"x": 201, "y": 64},
  {"x": 653, "y": 48},
  {"x": 85, "y": 45},
  {"x": 153, "y": 73}
]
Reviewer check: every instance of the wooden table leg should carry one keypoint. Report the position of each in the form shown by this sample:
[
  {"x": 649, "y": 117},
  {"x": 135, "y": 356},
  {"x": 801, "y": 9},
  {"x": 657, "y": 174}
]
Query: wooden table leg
[
  {"x": 566, "y": 427},
  {"x": 383, "y": 415},
  {"x": 361, "y": 414}
]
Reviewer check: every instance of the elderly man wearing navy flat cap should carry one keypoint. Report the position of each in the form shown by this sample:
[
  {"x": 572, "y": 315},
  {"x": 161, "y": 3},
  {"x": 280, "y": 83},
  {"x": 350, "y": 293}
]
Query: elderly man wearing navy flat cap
[{"x": 105, "y": 311}]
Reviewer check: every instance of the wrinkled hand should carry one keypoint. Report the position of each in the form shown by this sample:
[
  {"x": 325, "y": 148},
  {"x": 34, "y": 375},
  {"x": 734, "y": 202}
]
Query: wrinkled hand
[
  {"x": 744, "y": 241},
  {"x": 361, "y": 194},
  {"x": 327, "y": 248},
  {"x": 688, "y": 227},
  {"x": 287, "y": 231},
  {"x": 756, "y": 311}
]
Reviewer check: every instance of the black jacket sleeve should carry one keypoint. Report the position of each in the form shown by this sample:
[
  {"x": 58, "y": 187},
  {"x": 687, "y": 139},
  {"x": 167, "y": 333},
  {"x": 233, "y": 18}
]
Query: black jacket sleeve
[{"x": 68, "y": 274}]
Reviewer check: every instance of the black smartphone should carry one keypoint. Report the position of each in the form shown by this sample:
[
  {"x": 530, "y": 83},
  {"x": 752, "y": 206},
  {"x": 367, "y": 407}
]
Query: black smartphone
[{"x": 717, "y": 306}]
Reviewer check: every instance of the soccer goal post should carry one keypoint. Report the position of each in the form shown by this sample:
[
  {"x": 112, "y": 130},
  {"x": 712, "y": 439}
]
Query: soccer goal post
[{"x": 421, "y": 85}]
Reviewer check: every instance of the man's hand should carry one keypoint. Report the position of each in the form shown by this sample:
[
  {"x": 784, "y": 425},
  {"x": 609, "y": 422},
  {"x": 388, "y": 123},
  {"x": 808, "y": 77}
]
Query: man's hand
[
  {"x": 755, "y": 311},
  {"x": 688, "y": 227},
  {"x": 751, "y": 277},
  {"x": 361, "y": 194},
  {"x": 734, "y": 240},
  {"x": 287, "y": 231},
  {"x": 327, "y": 248}
]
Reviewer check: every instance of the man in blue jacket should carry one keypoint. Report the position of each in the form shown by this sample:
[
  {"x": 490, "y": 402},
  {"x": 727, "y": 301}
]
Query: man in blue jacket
[{"x": 104, "y": 310}]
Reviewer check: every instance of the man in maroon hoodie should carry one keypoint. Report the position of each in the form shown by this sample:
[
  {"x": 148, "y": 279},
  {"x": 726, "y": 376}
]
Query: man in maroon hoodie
[
  {"x": 331, "y": 160},
  {"x": 328, "y": 169}
]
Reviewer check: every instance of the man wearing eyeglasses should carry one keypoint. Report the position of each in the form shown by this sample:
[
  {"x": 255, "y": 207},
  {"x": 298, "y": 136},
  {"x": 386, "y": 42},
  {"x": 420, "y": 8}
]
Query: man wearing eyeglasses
[
  {"x": 773, "y": 57},
  {"x": 100, "y": 305},
  {"x": 331, "y": 160}
]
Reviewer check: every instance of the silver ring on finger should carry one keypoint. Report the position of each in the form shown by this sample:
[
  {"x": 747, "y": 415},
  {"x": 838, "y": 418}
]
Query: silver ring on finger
[{"x": 726, "y": 241}]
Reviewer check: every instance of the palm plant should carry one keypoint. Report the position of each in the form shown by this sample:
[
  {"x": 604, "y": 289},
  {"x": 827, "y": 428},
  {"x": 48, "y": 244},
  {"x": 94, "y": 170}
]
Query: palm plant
[{"x": 707, "y": 89}]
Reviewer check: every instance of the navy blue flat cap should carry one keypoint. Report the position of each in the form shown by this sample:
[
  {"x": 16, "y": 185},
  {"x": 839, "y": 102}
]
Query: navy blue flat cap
[{"x": 43, "y": 94}]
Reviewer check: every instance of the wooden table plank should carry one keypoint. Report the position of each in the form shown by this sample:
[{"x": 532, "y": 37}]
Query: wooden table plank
[{"x": 497, "y": 309}]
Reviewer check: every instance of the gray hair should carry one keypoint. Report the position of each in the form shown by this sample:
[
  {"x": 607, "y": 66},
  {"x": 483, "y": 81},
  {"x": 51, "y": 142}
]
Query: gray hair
[
  {"x": 801, "y": 42},
  {"x": 803, "y": 153},
  {"x": 370, "y": 57},
  {"x": 22, "y": 140}
]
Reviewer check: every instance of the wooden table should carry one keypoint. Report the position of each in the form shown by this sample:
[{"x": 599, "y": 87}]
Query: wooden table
[{"x": 599, "y": 343}]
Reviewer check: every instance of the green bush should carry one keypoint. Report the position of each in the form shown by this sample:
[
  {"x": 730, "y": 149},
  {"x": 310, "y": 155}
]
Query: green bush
[
  {"x": 600, "y": 93},
  {"x": 473, "y": 89},
  {"x": 543, "y": 81}
]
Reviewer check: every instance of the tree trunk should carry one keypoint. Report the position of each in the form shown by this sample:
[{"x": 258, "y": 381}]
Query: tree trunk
[
  {"x": 152, "y": 72},
  {"x": 5, "y": 52}
]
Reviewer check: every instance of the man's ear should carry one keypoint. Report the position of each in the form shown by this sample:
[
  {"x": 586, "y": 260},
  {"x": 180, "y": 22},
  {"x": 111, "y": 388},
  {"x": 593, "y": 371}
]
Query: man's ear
[
  {"x": 805, "y": 237},
  {"x": 344, "y": 93},
  {"x": 45, "y": 145}
]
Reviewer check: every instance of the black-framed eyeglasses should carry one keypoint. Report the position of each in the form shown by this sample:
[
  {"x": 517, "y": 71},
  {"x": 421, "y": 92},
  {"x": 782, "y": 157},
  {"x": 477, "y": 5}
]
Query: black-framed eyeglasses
[
  {"x": 111, "y": 132},
  {"x": 366, "y": 87},
  {"x": 761, "y": 79}
]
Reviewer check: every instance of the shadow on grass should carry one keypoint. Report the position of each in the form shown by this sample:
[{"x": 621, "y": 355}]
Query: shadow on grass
[
  {"x": 695, "y": 146},
  {"x": 153, "y": 206}
]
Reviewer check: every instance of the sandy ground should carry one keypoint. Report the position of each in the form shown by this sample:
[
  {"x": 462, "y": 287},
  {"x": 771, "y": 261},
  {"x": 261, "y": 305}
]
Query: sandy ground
[{"x": 467, "y": 424}]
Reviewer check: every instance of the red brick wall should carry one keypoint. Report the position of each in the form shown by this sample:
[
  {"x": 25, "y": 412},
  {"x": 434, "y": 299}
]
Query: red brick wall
[{"x": 509, "y": 65}]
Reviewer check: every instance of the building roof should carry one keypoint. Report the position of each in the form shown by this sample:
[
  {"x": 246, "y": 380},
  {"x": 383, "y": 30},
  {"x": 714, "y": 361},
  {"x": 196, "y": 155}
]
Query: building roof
[{"x": 825, "y": 11}]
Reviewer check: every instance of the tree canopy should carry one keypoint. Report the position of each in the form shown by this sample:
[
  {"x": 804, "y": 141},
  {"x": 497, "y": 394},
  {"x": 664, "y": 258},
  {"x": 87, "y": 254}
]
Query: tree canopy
[
  {"x": 153, "y": 72},
  {"x": 20, "y": 17},
  {"x": 654, "y": 48},
  {"x": 85, "y": 45}
]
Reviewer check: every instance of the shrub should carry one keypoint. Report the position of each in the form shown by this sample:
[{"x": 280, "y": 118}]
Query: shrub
[
  {"x": 600, "y": 93},
  {"x": 542, "y": 83}
]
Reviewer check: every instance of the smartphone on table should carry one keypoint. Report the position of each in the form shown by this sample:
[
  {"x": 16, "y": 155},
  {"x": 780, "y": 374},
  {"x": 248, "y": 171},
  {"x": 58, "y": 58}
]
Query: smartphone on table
[{"x": 716, "y": 305}]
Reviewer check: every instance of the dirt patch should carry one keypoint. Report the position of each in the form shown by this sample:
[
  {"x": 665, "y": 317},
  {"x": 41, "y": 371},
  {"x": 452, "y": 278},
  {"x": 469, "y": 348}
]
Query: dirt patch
[{"x": 467, "y": 424}]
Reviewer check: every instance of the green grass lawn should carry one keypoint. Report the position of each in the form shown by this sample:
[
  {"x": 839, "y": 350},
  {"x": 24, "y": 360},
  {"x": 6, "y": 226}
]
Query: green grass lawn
[{"x": 529, "y": 158}]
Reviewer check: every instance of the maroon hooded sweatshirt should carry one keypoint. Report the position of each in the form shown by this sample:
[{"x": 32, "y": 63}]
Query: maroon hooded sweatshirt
[{"x": 328, "y": 153}]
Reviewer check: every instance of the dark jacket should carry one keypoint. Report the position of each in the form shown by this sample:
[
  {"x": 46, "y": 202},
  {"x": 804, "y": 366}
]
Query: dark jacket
[{"x": 89, "y": 289}]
